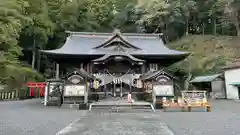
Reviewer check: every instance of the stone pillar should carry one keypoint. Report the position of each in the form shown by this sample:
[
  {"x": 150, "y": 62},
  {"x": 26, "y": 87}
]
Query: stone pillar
[
  {"x": 57, "y": 71},
  {"x": 86, "y": 93},
  {"x": 46, "y": 93}
]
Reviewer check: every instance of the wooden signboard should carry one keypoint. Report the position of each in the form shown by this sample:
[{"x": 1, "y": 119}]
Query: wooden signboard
[
  {"x": 74, "y": 90},
  {"x": 163, "y": 90}
]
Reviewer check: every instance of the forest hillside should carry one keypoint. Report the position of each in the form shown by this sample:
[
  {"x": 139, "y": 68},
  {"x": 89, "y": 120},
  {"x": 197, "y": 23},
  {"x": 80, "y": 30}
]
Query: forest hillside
[{"x": 209, "y": 53}]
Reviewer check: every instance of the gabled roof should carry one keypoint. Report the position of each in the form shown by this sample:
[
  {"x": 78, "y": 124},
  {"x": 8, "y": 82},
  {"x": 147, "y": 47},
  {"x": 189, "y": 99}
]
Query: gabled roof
[
  {"x": 116, "y": 38},
  {"x": 155, "y": 74},
  {"x": 83, "y": 43},
  {"x": 207, "y": 78}
]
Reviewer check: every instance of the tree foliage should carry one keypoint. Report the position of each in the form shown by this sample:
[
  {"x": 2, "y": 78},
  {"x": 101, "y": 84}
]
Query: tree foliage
[
  {"x": 42, "y": 24},
  {"x": 13, "y": 21}
]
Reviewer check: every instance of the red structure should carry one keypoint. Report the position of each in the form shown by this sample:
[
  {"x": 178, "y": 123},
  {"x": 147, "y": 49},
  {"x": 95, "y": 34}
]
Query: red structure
[{"x": 39, "y": 85}]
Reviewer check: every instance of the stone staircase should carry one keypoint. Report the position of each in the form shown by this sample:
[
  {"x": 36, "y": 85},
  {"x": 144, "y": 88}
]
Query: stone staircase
[{"x": 112, "y": 104}]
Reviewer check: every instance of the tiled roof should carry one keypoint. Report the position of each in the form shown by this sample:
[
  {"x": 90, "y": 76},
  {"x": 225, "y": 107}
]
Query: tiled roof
[
  {"x": 207, "y": 78},
  {"x": 155, "y": 74},
  {"x": 86, "y": 43}
]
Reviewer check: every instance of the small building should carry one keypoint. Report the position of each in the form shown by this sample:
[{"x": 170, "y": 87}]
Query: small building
[
  {"x": 232, "y": 80},
  {"x": 152, "y": 79},
  {"x": 74, "y": 86},
  {"x": 213, "y": 84},
  {"x": 160, "y": 84},
  {"x": 78, "y": 83}
]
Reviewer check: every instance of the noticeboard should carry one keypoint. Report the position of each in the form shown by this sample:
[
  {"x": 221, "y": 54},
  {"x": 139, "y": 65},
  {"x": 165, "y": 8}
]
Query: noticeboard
[
  {"x": 163, "y": 90},
  {"x": 74, "y": 90},
  {"x": 52, "y": 85}
]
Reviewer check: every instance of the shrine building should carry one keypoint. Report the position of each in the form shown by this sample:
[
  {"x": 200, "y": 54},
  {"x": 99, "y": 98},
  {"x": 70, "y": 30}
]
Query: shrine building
[{"x": 117, "y": 59}]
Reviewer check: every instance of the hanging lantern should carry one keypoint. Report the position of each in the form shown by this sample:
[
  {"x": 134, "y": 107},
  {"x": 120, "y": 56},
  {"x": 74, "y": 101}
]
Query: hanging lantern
[
  {"x": 95, "y": 84},
  {"x": 139, "y": 84}
]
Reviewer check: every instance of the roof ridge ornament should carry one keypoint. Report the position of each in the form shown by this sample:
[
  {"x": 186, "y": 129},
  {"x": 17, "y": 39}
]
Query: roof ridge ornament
[
  {"x": 116, "y": 31},
  {"x": 116, "y": 37}
]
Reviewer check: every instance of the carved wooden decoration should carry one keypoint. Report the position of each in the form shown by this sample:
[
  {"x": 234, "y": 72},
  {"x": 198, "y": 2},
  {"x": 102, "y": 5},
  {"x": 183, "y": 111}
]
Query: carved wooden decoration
[
  {"x": 75, "y": 79},
  {"x": 164, "y": 79},
  {"x": 76, "y": 85}
]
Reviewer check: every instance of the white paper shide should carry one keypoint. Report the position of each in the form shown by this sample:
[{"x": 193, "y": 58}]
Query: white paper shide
[
  {"x": 163, "y": 90},
  {"x": 74, "y": 90}
]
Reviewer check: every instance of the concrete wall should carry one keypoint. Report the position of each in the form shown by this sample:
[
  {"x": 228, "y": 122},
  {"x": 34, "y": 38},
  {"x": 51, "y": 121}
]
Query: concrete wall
[{"x": 232, "y": 76}]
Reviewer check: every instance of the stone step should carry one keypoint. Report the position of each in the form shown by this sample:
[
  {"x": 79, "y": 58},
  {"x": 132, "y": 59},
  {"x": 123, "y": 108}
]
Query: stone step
[{"x": 121, "y": 105}]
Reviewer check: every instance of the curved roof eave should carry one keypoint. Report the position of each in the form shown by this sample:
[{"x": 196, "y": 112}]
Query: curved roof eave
[
  {"x": 109, "y": 55},
  {"x": 151, "y": 45},
  {"x": 59, "y": 52}
]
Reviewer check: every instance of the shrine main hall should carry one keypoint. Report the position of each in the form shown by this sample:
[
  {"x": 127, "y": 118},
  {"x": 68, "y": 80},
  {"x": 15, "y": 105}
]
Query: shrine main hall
[{"x": 117, "y": 59}]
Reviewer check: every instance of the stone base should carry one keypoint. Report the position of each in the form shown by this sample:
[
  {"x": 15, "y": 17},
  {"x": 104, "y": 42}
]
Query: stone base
[
  {"x": 75, "y": 106},
  {"x": 71, "y": 106},
  {"x": 83, "y": 107}
]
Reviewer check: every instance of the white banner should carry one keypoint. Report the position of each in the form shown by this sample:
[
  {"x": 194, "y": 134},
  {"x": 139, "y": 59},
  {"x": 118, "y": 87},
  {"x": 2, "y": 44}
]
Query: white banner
[
  {"x": 163, "y": 90},
  {"x": 74, "y": 90}
]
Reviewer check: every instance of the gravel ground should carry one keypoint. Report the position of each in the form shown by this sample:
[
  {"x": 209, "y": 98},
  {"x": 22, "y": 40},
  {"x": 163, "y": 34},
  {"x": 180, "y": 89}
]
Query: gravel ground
[{"x": 32, "y": 118}]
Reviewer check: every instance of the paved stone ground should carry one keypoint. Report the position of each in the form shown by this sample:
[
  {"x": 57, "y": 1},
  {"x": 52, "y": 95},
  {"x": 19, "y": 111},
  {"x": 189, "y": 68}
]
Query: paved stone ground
[
  {"x": 118, "y": 124},
  {"x": 31, "y": 118},
  {"x": 223, "y": 120}
]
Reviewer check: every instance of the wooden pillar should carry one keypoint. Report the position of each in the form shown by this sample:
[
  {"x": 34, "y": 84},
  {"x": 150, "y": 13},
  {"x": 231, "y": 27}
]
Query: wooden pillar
[
  {"x": 84, "y": 66},
  {"x": 121, "y": 94},
  {"x": 57, "y": 71},
  {"x": 81, "y": 65},
  {"x": 114, "y": 89},
  {"x": 143, "y": 68},
  {"x": 91, "y": 67},
  {"x": 87, "y": 69}
]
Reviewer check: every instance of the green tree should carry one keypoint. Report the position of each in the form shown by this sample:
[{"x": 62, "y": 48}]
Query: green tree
[{"x": 12, "y": 21}]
